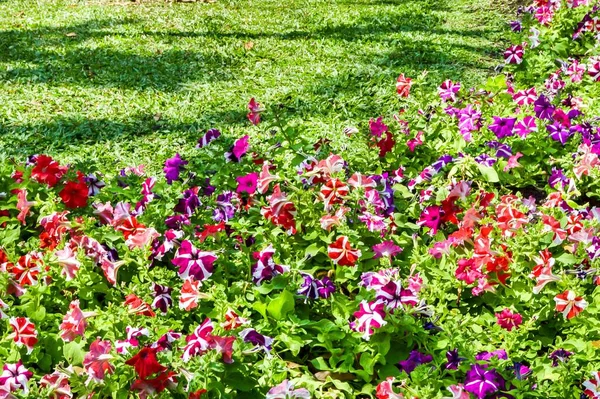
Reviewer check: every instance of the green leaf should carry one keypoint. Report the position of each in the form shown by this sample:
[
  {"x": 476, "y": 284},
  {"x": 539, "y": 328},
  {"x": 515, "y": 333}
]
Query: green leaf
[
  {"x": 73, "y": 353},
  {"x": 488, "y": 173},
  {"x": 283, "y": 304}
]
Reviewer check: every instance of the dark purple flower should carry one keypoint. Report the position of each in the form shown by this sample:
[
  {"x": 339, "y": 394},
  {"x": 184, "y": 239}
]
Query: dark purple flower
[
  {"x": 207, "y": 188},
  {"x": 260, "y": 342},
  {"x": 543, "y": 108},
  {"x": 441, "y": 162},
  {"x": 177, "y": 221},
  {"x": 502, "y": 150},
  {"x": 502, "y": 127},
  {"x": 559, "y": 355},
  {"x": 521, "y": 371},
  {"x": 309, "y": 287},
  {"x": 481, "y": 381},
  {"x": 394, "y": 296},
  {"x": 453, "y": 359},
  {"x": 326, "y": 287},
  {"x": 557, "y": 177},
  {"x": 516, "y": 26},
  {"x": 415, "y": 359},
  {"x": 94, "y": 184},
  {"x": 162, "y": 297},
  {"x": 188, "y": 204},
  {"x": 211, "y": 135},
  {"x": 173, "y": 168}
]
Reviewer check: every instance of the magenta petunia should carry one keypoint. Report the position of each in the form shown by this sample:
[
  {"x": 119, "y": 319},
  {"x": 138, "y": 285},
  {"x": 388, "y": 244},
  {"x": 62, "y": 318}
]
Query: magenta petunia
[{"x": 247, "y": 183}]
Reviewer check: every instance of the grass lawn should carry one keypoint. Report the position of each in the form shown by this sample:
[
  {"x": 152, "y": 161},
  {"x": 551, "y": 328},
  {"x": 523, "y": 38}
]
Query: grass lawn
[{"x": 111, "y": 83}]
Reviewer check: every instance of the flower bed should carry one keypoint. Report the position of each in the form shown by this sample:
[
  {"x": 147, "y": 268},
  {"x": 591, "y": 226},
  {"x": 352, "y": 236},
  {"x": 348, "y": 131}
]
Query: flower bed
[{"x": 456, "y": 255}]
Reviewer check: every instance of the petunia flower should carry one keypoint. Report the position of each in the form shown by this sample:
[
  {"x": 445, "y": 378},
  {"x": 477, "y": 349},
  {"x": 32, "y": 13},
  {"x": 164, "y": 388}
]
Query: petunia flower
[
  {"x": 386, "y": 249},
  {"x": 385, "y": 390},
  {"x": 198, "y": 343},
  {"x": 403, "y": 85},
  {"x": 96, "y": 362},
  {"x": 481, "y": 381},
  {"x": 173, "y": 168},
  {"x": 569, "y": 304},
  {"x": 193, "y": 262},
  {"x": 453, "y": 360},
  {"x": 543, "y": 108},
  {"x": 559, "y": 355},
  {"x": 265, "y": 267},
  {"x": 162, "y": 297},
  {"x": 369, "y": 317},
  {"x": 458, "y": 392},
  {"x": 210, "y": 136},
  {"x": 24, "y": 332},
  {"x": 514, "y": 54},
  {"x": 502, "y": 127},
  {"x": 188, "y": 299},
  {"x": 255, "y": 110},
  {"x": 342, "y": 253},
  {"x": 260, "y": 342},
  {"x": 47, "y": 170},
  {"x": 377, "y": 127},
  {"x": 238, "y": 150},
  {"x": 430, "y": 217},
  {"x": 508, "y": 320},
  {"x": 145, "y": 363},
  {"x": 247, "y": 183},
  {"x": 57, "y": 385},
  {"x": 591, "y": 387},
  {"x": 448, "y": 90},
  {"x": 15, "y": 376},
  {"x": 233, "y": 321},
  {"x": 415, "y": 358},
  {"x": 224, "y": 346},
  {"x": 286, "y": 390},
  {"x": 74, "y": 322}
]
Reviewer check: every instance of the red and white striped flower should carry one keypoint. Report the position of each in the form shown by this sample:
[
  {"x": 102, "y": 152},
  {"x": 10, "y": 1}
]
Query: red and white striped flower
[
  {"x": 342, "y": 253},
  {"x": 27, "y": 269},
  {"x": 591, "y": 387},
  {"x": 57, "y": 384},
  {"x": 24, "y": 333},
  {"x": 233, "y": 321},
  {"x": 74, "y": 323},
  {"x": 265, "y": 178},
  {"x": 569, "y": 304},
  {"x": 333, "y": 192},
  {"x": 403, "y": 85}
]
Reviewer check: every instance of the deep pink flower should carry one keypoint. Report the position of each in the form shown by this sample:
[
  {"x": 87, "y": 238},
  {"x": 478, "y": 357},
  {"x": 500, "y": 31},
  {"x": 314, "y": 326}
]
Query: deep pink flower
[
  {"x": 369, "y": 317},
  {"x": 387, "y": 249},
  {"x": 97, "y": 361},
  {"x": 509, "y": 320},
  {"x": 430, "y": 217},
  {"x": 247, "y": 183},
  {"x": 377, "y": 127},
  {"x": 15, "y": 376},
  {"x": 255, "y": 110}
]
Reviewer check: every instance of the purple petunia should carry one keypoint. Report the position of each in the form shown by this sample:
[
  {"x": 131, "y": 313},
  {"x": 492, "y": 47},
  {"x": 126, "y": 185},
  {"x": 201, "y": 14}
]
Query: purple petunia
[
  {"x": 558, "y": 132},
  {"x": 313, "y": 288},
  {"x": 481, "y": 381},
  {"x": 188, "y": 204},
  {"x": 485, "y": 159},
  {"x": 225, "y": 209},
  {"x": 260, "y": 342},
  {"x": 210, "y": 136},
  {"x": 543, "y": 108},
  {"x": 503, "y": 127},
  {"x": 173, "y": 167},
  {"x": 415, "y": 359}
]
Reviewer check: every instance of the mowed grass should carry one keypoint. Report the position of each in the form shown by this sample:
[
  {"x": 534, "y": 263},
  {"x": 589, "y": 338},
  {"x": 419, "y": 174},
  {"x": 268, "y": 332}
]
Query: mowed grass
[{"x": 112, "y": 83}]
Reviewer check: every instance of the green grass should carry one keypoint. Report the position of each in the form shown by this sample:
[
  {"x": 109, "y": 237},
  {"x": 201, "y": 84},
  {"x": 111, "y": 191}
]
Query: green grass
[{"x": 86, "y": 81}]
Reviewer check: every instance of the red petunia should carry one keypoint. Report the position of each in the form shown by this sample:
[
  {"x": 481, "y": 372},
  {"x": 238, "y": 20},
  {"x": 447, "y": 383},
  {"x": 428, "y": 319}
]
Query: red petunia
[
  {"x": 145, "y": 363},
  {"x": 47, "y": 170},
  {"x": 74, "y": 194},
  {"x": 341, "y": 253}
]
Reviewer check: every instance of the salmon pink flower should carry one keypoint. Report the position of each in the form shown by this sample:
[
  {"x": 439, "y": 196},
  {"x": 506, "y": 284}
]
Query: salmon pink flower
[
  {"x": 96, "y": 362},
  {"x": 23, "y": 206},
  {"x": 74, "y": 323},
  {"x": 24, "y": 333},
  {"x": 145, "y": 363},
  {"x": 190, "y": 294},
  {"x": 403, "y": 85},
  {"x": 224, "y": 346},
  {"x": 342, "y": 253},
  {"x": 385, "y": 390},
  {"x": 569, "y": 304},
  {"x": 193, "y": 262},
  {"x": 137, "y": 306},
  {"x": 509, "y": 320},
  {"x": 369, "y": 317},
  {"x": 68, "y": 261},
  {"x": 265, "y": 178},
  {"x": 15, "y": 376}
]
